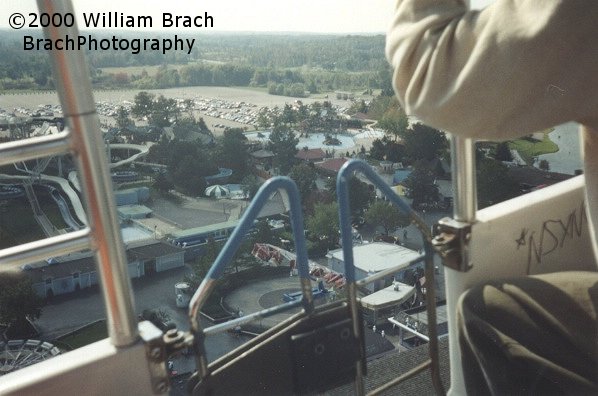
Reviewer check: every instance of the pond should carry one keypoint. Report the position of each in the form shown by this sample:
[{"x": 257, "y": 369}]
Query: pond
[{"x": 568, "y": 158}]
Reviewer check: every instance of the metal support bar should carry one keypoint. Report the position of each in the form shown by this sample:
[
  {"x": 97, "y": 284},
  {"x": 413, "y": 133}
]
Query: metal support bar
[
  {"x": 409, "y": 329},
  {"x": 452, "y": 236},
  {"x": 264, "y": 313},
  {"x": 27, "y": 149},
  {"x": 432, "y": 320},
  {"x": 13, "y": 257},
  {"x": 74, "y": 89},
  {"x": 464, "y": 179}
]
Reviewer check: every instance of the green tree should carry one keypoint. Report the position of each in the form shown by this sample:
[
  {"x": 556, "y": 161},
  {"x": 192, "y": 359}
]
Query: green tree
[
  {"x": 358, "y": 107},
  {"x": 360, "y": 194},
  {"x": 494, "y": 184},
  {"x": 386, "y": 149},
  {"x": 123, "y": 121},
  {"x": 394, "y": 122},
  {"x": 283, "y": 144},
  {"x": 189, "y": 105},
  {"x": 385, "y": 81},
  {"x": 420, "y": 185},
  {"x": 263, "y": 118},
  {"x": 164, "y": 111},
  {"x": 18, "y": 300},
  {"x": 251, "y": 185},
  {"x": 233, "y": 152},
  {"x": 304, "y": 176},
  {"x": 263, "y": 233},
  {"x": 388, "y": 216},
  {"x": 189, "y": 176},
  {"x": 503, "y": 153},
  {"x": 184, "y": 128},
  {"x": 144, "y": 104},
  {"x": 203, "y": 264},
  {"x": 544, "y": 165},
  {"x": 424, "y": 142},
  {"x": 162, "y": 183},
  {"x": 378, "y": 150},
  {"x": 302, "y": 112},
  {"x": 289, "y": 117},
  {"x": 324, "y": 223}
]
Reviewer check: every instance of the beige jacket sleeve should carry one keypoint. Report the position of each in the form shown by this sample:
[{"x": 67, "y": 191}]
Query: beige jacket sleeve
[{"x": 516, "y": 67}]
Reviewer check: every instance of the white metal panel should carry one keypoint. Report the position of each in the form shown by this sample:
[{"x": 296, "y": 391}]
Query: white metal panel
[
  {"x": 540, "y": 232},
  {"x": 96, "y": 369}
]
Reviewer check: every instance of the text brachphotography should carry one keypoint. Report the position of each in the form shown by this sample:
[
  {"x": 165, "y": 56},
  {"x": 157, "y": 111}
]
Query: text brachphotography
[{"x": 90, "y": 43}]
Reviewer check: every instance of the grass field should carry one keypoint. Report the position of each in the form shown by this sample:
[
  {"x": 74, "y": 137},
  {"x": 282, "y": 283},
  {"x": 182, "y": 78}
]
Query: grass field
[
  {"x": 528, "y": 148},
  {"x": 17, "y": 224},
  {"x": 95, "y": 332}
]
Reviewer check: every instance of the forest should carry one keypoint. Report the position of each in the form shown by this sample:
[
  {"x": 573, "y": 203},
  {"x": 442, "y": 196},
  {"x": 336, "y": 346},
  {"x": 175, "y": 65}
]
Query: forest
[{"x": 285, "y": 64}]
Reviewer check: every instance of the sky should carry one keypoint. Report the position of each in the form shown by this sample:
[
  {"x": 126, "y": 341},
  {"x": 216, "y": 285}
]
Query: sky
[{"x": 322, "y": 16}]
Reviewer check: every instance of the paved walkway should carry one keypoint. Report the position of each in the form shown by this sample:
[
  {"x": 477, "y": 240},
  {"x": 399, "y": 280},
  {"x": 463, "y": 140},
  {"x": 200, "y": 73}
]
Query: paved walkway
[
  {"x": 69, "y": 312},
  {"x": 264, "y": 294}
]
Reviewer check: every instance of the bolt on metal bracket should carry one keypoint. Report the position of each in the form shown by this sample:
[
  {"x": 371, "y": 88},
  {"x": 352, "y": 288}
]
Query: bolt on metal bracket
[
  {"x": 159, "y": 347},
  {"x": 451, "y": 242}
]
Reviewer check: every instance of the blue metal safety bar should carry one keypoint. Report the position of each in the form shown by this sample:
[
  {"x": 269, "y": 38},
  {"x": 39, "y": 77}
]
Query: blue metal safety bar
[
  {"x": 342, "y": 188},
  {"x": 228, "y": 251}
]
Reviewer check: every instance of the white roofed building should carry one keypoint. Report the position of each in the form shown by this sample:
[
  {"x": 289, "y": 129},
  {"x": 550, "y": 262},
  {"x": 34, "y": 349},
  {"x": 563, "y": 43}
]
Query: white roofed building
[{"x": 372, "y": 258}]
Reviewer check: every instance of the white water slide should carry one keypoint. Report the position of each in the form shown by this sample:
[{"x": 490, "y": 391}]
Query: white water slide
[
  {"x": 141, "y": 152},
  {"x": 65, "y": 186}
]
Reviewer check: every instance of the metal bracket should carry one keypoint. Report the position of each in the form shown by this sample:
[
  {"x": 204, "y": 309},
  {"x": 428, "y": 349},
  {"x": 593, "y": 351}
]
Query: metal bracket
[
  {"x": 451, "y": 241},
  {"x": 158, "y": 348}
]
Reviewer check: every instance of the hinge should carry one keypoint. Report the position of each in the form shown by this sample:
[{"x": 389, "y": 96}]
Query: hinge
[
  {"x": 159, "y": 347},
  {"x": 451, "y": 242}
]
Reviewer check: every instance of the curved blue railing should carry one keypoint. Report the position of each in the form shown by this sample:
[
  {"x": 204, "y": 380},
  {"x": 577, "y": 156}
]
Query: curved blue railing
[
  {"x": 234, "y": 241},
  {"x": 342, "y": 188},
  {"x": 344, "y": 210},
  {"x": 246, "y": 223}
]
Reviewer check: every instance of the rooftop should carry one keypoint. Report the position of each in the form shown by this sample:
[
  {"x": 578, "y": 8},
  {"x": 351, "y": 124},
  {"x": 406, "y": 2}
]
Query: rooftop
[
  {"x": 133, "y": 211},
  {"x": 378, "y": 256},
  {"x": 84, "y": 262},
  {"x": 152, "y": 249},
  {"x": 395, "y": 363},
  {"x": 205, "y": 229},
  {"x": 388, "y": 296},
  {"x": 332, "y": 165},
  {"x": 310, "y": 154}
]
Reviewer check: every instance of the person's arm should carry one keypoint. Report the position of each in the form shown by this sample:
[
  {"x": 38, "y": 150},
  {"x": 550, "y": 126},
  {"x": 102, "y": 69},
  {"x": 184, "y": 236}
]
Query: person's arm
[{"x": 513, "y": 68}]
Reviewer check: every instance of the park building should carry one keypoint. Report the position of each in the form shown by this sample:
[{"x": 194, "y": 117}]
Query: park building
[
  {"x": 67, "y": 274},
  {"x": 371, "y": 258}
]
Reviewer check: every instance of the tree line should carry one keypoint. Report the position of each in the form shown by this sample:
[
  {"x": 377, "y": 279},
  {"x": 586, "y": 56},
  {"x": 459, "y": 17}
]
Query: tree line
[{"x": 319, "y": 62}]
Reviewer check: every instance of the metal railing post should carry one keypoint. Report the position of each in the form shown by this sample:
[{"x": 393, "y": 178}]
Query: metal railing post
[
  {"x": 464, "y": 179},
  {"x": 74, "y": 89}
]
